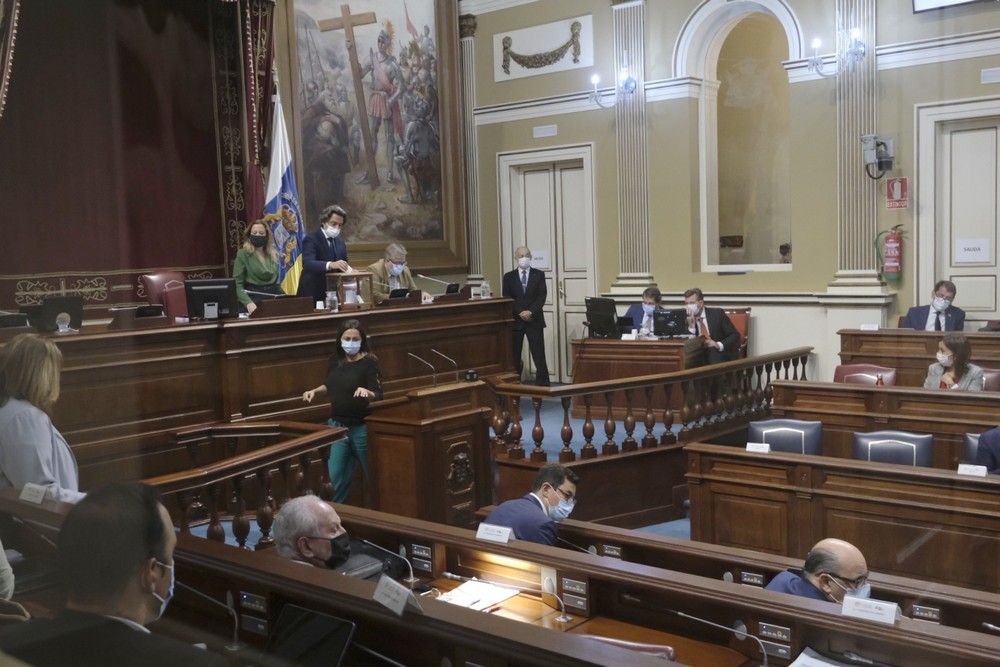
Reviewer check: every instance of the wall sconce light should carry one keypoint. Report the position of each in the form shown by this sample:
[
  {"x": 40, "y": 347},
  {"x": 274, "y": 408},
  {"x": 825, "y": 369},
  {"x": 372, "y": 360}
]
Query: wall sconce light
[
  {"x": 853, "y": 54},
  {"x": 626, "y": 85}
]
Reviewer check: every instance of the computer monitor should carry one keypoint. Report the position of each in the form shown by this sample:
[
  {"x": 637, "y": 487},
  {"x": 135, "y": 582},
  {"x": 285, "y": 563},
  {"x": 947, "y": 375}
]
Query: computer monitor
[
  {"x": 602, "y": 317},
  {"x": 57, "y": 313},
  {"x": 452, "y": 288},
  {"x": 670, "y": 323},
  {"x": 218, "y": 293},
  {"x": 306, "y": 637}
]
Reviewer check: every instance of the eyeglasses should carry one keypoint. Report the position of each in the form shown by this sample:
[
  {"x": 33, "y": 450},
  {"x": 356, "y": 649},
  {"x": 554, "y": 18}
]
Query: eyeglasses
[
  {"x": 568, "y": 496},
  {"x": 852, "y": 583}
]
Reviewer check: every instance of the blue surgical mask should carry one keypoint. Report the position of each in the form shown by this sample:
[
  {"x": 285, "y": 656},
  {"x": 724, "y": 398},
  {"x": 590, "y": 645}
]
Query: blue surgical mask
[
  {"x": 396, "y": 269},
  {"x": 864, "y": 591},
  {"x": 562, "y": 510},
  {"x": 648, "y": 308},
  {"x": 351, "y": 347},
  {"x": 165, "y": 600}
]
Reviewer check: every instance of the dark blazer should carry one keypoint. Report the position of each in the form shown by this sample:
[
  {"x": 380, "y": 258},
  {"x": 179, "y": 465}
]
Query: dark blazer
[
  {"x": 721, "y": 330},
  {"x": 532, "y": 298},
  {"x": 794, "y": 582},
  {"x": 527, "y": 519},
  {"x": 82, "y": 639},
  {"x": 988, "y": 453},
  {"x": 316, "y": 252},
  {"x": 916, "y": 318},
  {"x": 636, "y": 313}
]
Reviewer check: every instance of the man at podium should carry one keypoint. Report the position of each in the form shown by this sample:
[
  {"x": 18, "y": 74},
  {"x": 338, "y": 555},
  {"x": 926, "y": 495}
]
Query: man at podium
[{"x": 322, "y": 251}]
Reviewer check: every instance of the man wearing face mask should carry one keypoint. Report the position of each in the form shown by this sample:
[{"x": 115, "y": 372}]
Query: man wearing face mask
[
  {"x": 940, "y": 315},
  {"x": 308, "y": 530},
  {"x": 115, "y": 556},
  {"x": 642, "y": 313},
  {"x": 526, "y": 286},
  {"x": 534, "y": 517},
  {"x": 322, "y": 251},
  {"x": 833, "y": 569},
  {"x": 391, "y": 273},
  {"x": 721, "y": 339}
]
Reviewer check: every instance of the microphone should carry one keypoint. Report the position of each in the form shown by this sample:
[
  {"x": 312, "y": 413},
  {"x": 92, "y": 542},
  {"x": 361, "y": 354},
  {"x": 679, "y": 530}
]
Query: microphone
[
  {"x": 229, "y": 606},
  {"x": 411, "y": 580},
  {"x": 592, "y": 550},
  {"x": 740, "y": 634},
  {"x": 446, "y": 357},
  {"x": 991, "y": 627},
  {"x": 433, "y": 280},
  {"x": 456, "y": 577},
  {"x": 434, "y": 377}
]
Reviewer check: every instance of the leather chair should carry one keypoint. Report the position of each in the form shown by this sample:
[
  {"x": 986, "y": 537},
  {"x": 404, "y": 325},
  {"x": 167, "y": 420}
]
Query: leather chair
[
  {"x": 788, "y": 435},
  {"x": 971, "y": 448},
  {"x": 155, "y": 282},
  {"x": 991, "y": 379},
  {"x": 864, "y": 374},
  {"x": 175, "y": 301},
  {"x": 740, "y": 317},
  {"x": 912, "y": 449}
]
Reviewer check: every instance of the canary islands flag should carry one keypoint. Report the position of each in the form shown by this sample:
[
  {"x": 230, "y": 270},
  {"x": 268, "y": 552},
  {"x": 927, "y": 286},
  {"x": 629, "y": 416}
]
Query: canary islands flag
[{"x": 282, "y": 208}]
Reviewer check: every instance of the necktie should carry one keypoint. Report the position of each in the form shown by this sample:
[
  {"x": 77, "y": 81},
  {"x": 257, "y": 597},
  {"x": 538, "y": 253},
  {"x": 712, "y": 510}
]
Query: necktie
[
  {"x": 524, "y": 279},
  {"x": 937, "y": 322},
  {"x": 329, "y": 241},
  {"x": 702, "y": 327}
]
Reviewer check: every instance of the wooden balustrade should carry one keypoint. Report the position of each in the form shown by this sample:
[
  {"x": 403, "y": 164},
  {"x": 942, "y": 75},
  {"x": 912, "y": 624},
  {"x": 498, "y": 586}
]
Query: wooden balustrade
[
  {"x": 294, "y": 464},
  {"x": 716, "y": 399}
]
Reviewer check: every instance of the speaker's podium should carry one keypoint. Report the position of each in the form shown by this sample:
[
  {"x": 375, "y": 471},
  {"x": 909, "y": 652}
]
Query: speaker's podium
[{"x": 430, "y": 454}]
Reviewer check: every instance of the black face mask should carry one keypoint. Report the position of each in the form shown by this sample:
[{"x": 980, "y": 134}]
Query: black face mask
[
  {"x": 340, "y": 550},
  {"x": 258, "y": 241}
]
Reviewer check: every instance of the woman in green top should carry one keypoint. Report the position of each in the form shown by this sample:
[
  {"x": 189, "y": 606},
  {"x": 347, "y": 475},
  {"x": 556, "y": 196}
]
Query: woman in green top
[{"x": 256, "y": 267}]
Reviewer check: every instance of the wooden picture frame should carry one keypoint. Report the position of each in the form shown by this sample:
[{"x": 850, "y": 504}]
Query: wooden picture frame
[{"x": 447, "y": 253}]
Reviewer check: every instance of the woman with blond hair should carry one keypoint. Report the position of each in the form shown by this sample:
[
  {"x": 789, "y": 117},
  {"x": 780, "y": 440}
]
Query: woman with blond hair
[
  {"x": 255, "y": 268},
  {"x": 31, "y": 449}
]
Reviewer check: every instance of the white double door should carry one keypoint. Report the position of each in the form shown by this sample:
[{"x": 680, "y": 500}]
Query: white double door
[{"x": 546, "y": 204}]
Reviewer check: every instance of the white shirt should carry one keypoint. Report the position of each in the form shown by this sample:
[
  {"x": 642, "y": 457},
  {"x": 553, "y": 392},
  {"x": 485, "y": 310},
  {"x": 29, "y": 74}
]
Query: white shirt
[
  {"x": 138, "y": 627},
  {"x": 931, "y": 314},
  {"x": 32, "y": 450},
  {"x": 539, "y": 501}
]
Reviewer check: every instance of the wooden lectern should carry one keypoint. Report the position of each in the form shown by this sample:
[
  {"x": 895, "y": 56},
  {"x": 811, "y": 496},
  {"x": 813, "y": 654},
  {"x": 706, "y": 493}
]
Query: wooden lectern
[{"x": 430, "y": 456}]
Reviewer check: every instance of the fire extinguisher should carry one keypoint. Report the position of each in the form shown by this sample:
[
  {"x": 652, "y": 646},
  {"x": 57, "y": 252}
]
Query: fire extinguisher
[{"x": 889, "y": 248}]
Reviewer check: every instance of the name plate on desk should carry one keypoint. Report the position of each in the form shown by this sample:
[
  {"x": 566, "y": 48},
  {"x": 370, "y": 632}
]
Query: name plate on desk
[
  {"x": 879, "y": 611},
  {"x": 33, "y": 493},
  {"x": 490, "y": 533},
  {"x": 871, "y": 326},
  {"x": 759, "y": 447},
  {"x": 394, "y": 596},
  {"x": 973, "y": 470}
]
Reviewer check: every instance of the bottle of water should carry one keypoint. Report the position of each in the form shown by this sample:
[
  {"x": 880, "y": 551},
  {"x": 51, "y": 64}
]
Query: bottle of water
[{"x": 484, "y": 290}]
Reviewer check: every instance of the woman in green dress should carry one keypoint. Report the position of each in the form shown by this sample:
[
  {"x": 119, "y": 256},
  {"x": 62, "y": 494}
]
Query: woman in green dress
[{"x": 256, "y": 267}]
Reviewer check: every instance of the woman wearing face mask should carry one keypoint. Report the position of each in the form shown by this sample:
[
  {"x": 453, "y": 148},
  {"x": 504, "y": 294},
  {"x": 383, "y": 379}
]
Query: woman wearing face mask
[
  {"x": 952, "y": 369},
  {"x": 322, "y": 251},
  {"x": 255, "y": 268},
  {"x": 353, "y": 381}
]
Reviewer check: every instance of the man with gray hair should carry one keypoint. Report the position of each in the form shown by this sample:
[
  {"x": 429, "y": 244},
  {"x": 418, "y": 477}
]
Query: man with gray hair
[
  {"x": 307, "y": 529},
  {"x": 391, "y": 273},
  {"x": 834, "y": 569}
]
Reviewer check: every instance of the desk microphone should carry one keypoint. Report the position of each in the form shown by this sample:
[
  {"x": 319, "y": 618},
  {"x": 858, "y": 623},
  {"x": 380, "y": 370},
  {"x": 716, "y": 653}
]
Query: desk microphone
[
  {"x": 739, "y": 633},
  {"x": 228, "y": 606},
  {"x": 447, "y": 358},
  {"x": 433, "y": 280},
  {"x": 411, "y": 580},
  {"x": 592, "y": 550},
  {"x": 434, "y": 376},
  {"x": 991, "y": 627}
]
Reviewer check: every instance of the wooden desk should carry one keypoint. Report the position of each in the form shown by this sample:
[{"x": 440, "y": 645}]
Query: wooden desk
[
  {"x": 846, "y": 408},
  {"x": 910, "y": 352},
  {"x": 598, "y": 359},
  {"x": 124, "y": 392},
  {"x": 923, "y": 523}
]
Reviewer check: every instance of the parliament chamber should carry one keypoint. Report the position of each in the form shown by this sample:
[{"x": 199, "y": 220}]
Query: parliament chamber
[{"x": 219, "y": 210}]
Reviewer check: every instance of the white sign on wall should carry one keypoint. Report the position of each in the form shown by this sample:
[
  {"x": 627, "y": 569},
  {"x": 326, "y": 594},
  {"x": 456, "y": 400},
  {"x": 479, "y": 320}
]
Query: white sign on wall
[
  {"x": 971, "y": 251},
  {"x": 541, "y": 39},
  {"x": 540, "y": 260},
  {"x": 924, "y": 5}
]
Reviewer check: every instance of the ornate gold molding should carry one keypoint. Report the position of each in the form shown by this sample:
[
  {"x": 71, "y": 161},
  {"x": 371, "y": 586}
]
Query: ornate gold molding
[
  {"x": 546, "y": 58},
  {"x": 467, "y": 25}
]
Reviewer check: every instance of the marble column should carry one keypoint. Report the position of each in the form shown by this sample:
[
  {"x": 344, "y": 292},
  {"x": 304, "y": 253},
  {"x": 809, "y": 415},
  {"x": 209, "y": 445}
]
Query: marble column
[
  {"x": 467, "y": 32},
  {"x": 629, "y": 21}
]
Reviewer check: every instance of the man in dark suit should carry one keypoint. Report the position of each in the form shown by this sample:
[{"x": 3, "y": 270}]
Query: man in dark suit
[
  {"x": 533, "y": 517},
  {"x": 940, "y": 315},
  {"x": 833, "y": 570},
  {"x": 988, "y": 453},
  {"x": 642, "y": 313},
  {"x": 721, "y": 339},
  {"x": 115, "y": 556},
  {"x": 526, "y": 286},
  {"x": 322, "y": 251}
]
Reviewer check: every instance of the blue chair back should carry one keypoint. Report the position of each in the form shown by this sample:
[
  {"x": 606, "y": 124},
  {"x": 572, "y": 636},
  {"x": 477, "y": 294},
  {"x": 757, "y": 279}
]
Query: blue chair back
[
  {"x": 788, "y": 435},
  {"x": 912, "y": 449}
]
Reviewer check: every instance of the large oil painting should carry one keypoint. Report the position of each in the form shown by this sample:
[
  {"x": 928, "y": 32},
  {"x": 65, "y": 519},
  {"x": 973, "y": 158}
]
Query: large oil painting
[{"x": 369, "y": 114}]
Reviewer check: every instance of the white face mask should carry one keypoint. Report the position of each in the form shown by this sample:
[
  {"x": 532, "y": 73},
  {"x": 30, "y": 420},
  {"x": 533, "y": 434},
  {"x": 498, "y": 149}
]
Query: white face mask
[
  {"x": 648, "y": 308},
  {"x": 523, "y": 262},
  {"x": 941, "y": 304},
  {"x": 692, "y": 309},
  {"x": 396, "y": 269},
  {"x": 331, "y": 232},
  {"x": 165, "y": 600},
  {"x": 944, "y": 359}
]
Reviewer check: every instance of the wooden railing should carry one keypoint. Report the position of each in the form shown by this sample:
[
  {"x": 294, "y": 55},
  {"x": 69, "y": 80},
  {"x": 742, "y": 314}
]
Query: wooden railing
[
  {"x": 715, "y": 398},
  {"x": 262, "y": 479}
]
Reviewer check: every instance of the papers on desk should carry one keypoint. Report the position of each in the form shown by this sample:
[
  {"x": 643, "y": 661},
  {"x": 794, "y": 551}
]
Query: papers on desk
[
  {"x": 810, "y": 658},
  {"x": 478, "y": 595}
]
